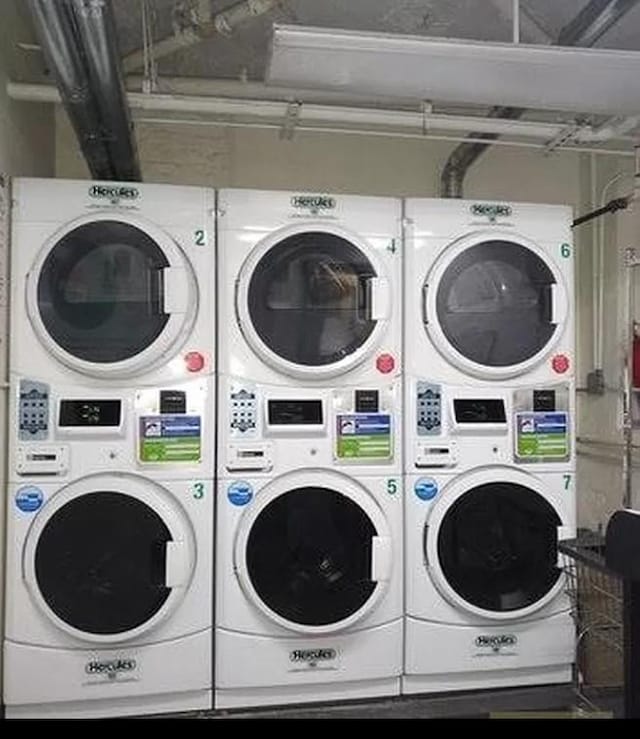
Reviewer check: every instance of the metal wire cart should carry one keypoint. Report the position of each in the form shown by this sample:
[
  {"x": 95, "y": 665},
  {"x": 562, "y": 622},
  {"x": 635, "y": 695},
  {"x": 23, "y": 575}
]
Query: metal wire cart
[
  {"x": 596, "y": 597},
  {"x": 603, "y": 577}
]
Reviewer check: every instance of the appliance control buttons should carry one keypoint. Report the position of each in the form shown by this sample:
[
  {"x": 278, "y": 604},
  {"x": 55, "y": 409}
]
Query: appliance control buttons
[
  {"x": 33, "y": 411},
  {"x": 428, "y": 409},
  {"x": 243, "y": 413}
]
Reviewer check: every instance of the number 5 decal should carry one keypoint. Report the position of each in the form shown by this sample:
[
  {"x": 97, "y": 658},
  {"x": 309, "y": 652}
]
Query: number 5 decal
[{"x": 392, "y": 486}]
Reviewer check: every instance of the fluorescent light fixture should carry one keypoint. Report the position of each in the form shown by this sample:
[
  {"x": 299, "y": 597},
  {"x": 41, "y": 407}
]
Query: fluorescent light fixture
[{"x": 454, "y": 71}]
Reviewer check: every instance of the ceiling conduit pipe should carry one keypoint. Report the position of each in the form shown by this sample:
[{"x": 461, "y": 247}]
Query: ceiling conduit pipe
[
  {"x": 78, "y": 40},
  {"x": 53, "y": 24},
  {"x": 97, "y": 33},
  {"x": 595, "y": 19}
]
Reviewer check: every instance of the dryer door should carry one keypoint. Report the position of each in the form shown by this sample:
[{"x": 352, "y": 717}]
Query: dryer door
[
  {"x": 111, "y": 297},
  {"x": 312, "y": 303},
  {"x": 495, "y": 305},
  {"x": 313, "y": 555},
  {"x": 492, "y": 546},
  {"x": 108, "y": 558}
]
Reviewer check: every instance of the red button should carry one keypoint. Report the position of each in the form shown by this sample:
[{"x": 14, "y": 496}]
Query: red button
[
  {"x": 194, "y": 361},
  {"x": 385, "y": 363},
  {"x": 560, "y": 363}
]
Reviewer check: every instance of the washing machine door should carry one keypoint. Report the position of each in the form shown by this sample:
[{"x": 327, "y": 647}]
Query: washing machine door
[
  {"x": 495, "y": 304},
  {"x": 109, "y": 557},
  {"x": 491, "y": 543},
  {"x": 313, "y": 302},
  {"x": 314, "y": 553},
  {"x": 111, "y": 296}
]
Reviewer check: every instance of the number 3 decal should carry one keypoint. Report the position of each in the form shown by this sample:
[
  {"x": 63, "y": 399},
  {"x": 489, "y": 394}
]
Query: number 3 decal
[{"x": 198, "y": 490}]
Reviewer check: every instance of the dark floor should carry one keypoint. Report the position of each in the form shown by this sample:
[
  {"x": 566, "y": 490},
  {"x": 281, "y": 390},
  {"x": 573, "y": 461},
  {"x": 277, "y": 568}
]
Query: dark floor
[{"x": 553, "y": 700}]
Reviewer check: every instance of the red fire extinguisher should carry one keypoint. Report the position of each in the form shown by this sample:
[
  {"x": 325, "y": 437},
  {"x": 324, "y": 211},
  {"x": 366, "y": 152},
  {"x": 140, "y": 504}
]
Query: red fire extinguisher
[{"x": 635, "y": 367}]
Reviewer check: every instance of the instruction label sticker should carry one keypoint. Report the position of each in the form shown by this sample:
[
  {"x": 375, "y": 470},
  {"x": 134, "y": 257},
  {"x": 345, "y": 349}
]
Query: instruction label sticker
[
  {"x": 541, "y": 435},
  {"x": 170, "y": 439},
  {"x": 363, "y": 436}
]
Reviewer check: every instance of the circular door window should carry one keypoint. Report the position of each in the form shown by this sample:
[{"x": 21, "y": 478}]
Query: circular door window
[
  {"x": 309, "y": 557},
  {"x": 110, "y": 297},
  {"x": 100, "y": 292},
  {"x": 495, "y": 306},
  {"x": 99, "y": 563},
  {"x": 497, "y": 547},
  {"x": 309, "y": 302}
]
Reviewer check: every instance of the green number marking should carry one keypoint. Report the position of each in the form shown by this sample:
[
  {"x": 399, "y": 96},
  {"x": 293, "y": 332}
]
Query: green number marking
[
  {"x": 567, "y": 481},
  {"x": 565, "y": 251},
  {"x": 198, "y": 490},
  {"x": 392, "y": 246},
  {"x": 200, "y": 237},
  {"x": 392, "y": 486}
]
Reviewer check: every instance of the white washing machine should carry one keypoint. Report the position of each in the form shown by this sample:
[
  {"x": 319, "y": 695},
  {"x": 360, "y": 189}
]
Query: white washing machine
[
  {"x": 309, "y": 557},
  {"x": 109, "y": 559},
  {"x": 111, "y": 281},
  {"x": 310, "y": 288},
  {"x": 489, "y": 293},
  {"x": 487, "y": 500}
]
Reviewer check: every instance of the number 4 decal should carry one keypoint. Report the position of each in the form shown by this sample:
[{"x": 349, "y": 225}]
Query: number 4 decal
[{"x": 567, "y": 481}]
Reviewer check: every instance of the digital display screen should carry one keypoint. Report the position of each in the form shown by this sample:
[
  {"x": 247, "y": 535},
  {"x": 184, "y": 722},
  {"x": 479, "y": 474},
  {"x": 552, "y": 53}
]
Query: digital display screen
[
  {"x": 89, "y": 413},
  {"x": 480, "y": 410},
  {"x": 295, "y": 412}
]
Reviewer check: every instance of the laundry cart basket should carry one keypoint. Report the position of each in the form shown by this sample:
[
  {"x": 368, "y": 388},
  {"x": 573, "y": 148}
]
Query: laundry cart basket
[{"x": 597, "y": 597}]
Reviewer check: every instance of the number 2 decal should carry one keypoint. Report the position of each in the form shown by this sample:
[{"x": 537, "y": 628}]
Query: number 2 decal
[{"x": 200, "y": 237}]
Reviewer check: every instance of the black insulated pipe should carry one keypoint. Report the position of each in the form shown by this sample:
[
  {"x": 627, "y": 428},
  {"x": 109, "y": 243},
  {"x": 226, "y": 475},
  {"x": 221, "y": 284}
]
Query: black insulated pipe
[
  {"x": 97, "y": 33},
  {"x": 54, "y": 27},
  {"x": 594, "y": 20},
  {"x": 78, "y": 40}
]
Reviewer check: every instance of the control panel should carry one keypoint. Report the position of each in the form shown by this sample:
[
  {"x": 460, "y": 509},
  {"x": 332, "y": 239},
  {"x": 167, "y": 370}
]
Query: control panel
[
  {"x": 428, "y": 409},
  {"x": 33, "y": 411},
  {"x": 243, "y": 412}
]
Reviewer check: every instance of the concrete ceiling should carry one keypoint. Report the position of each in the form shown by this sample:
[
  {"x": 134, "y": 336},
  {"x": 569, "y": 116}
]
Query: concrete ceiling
[{"x": 243, "y": 54}]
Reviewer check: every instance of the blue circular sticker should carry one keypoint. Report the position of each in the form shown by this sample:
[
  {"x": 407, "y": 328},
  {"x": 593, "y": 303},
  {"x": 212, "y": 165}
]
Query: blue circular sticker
[
  {"x": 240, "y": 493},
  {"x": 29, "y": 498},
  {"x": 426, "y": 488}
]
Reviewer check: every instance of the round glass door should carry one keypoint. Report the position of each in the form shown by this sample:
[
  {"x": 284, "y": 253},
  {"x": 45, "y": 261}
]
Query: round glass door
[
  {"x": 310, "y": 297},
  {"x": 100, "y": 292},
  {"x": 497, "y": 547},
  {"x": 100, "y": 563},
  {"x": 495, "y": 304},
  {"x": 309, "y": 556}
]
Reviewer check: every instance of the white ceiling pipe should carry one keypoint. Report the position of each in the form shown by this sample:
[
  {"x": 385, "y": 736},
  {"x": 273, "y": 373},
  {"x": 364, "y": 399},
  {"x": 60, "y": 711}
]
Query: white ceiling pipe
[{"x": 310, "y": 113}]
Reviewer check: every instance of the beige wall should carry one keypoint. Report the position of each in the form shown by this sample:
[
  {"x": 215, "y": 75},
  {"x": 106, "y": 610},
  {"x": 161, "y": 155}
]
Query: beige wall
[
  {"x": 26, "y": 148},
  {"x": 374, "y": 165}
]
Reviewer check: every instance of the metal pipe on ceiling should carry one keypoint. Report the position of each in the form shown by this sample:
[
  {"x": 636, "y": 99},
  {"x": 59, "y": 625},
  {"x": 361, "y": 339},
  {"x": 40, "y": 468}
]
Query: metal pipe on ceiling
[
  {"x": 206, "y": 24},
  {"x": 596, "y": 18},
  {"x": 78, "y": 40}
]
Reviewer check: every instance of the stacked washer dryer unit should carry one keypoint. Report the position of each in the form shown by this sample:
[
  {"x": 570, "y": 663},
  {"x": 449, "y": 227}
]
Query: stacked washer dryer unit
[
  {"x": 110, "y": 502},
  {"x": 309, "y": 518},
  {"x": 489, "y": 435}
]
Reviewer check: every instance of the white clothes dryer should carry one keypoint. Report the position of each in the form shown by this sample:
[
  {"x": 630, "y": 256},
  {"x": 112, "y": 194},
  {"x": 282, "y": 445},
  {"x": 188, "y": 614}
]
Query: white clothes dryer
[
  {"x": 310, "y": 288},
  {"x": 111, "y": 281},
  {"x": 489, "y": 295},
  {"x": 109, "y": 584},
  {"x": 488, "y": 497},
  {"x": 309, "y": 545}
]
